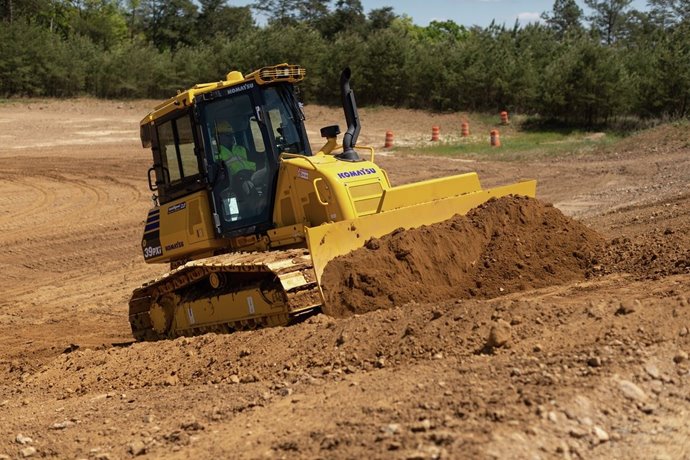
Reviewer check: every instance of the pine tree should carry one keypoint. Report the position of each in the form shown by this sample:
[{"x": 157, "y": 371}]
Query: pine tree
[
  {"x": 608, "y": 18},
  {"x": 565, "y": 17}
]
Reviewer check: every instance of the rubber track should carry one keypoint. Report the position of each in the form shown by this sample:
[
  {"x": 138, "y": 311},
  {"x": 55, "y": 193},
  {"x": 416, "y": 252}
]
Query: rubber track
[{"x": 291, "y": 268}]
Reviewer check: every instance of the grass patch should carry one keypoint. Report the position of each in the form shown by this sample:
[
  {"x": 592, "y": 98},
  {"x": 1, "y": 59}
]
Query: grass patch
[
  {"x": 518, "y": 144},
  {"x": 19, "y": 100}
]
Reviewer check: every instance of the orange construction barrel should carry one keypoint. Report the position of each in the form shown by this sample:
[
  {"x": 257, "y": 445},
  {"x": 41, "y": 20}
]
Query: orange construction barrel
[
  {"x": 504, "y": 118},
  {"x": 465, "y": 129},
  {"x": 435, "y": 132},
  {"x": 495, "y": 138},
  {"x": 389, "y": 140}
]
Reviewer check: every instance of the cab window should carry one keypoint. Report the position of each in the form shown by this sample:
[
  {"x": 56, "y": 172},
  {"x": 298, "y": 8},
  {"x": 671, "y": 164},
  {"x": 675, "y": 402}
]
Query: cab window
[
  {"x": 176, "y": 143},
  {"x": 285, "y": 120}
]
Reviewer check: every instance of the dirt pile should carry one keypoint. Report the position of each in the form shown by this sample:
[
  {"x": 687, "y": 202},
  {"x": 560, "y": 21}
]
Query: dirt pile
[{"x": 506, "y": 245}]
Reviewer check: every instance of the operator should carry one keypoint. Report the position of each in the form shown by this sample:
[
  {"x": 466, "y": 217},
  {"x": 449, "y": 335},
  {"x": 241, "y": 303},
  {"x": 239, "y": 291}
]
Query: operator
[
  {"x": 233, "y": 154},
  {"x": 240, "y": 170}
]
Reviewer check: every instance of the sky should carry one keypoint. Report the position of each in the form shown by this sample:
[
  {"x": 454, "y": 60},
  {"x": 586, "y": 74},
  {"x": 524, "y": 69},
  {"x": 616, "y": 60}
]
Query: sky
[{"x": 467, "y": 12}]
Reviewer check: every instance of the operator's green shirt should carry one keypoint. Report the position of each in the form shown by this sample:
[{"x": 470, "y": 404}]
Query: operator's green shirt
[{"x": 236, "y": 159}]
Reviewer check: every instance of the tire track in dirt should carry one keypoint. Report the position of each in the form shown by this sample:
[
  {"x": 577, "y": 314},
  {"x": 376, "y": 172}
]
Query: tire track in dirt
[
  {"x": 69, "y": 231},
  {"x": 67, "y": 201},
  {"x": 100, "y": 193},
  {"x": 19, "y": 205},
  {"x": 59, "y": 197}
]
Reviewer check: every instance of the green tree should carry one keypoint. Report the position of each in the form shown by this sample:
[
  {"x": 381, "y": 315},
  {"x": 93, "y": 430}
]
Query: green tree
[
  {"x": 217, "y": 19},
  {"x": 290, "y": 12},
  {"x": 661, "y": 66},
  {"x": 381, "y": 18},
  {"x": 608, "y": 18},
  {"x": 101, "y": 20},
  {"x": 565, "y": 17},
  {"x": 170, "y": 24},
  {"x": 348, "y": 16},
  {"x": 381, "y": 80},
  {"x": 442, "y": 30},
  {"x": 669, "y": 12},
  {"x": 280, "y": 11},
  {"x": 313, "y": 11},
  {"x": 36, "y": 62},
  {"x": 51, "y": 14},
  {"x": 585, "y": 83}
]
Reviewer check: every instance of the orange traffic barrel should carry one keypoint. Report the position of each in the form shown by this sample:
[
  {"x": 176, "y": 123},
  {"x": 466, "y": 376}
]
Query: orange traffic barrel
[
  {"x": 495, "y": 138},
  {"x": 389, "y": 140},
  {"x": 465, "y": 129},
  {"x": 435, "y": 132},
  {"x": 504, "y": 118}
]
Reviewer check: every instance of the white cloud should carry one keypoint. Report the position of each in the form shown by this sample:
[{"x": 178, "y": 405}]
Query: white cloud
[{"x": 527, "y": 17}]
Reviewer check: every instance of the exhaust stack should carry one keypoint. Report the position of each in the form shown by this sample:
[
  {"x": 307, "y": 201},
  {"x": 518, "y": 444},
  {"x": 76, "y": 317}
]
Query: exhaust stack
[{"x": 351, "y": 117}]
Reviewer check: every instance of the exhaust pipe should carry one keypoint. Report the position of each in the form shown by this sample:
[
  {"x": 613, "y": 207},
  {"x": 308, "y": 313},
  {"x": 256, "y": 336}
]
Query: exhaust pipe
[{"x": 351, "y": 117}]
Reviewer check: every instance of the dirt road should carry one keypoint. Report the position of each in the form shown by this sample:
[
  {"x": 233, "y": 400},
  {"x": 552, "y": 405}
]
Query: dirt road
[{"x": 595, "y": 367}]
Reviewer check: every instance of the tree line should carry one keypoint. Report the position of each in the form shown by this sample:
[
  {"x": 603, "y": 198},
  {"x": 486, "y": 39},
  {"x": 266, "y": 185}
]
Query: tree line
[{"x": 580, "y": 68}]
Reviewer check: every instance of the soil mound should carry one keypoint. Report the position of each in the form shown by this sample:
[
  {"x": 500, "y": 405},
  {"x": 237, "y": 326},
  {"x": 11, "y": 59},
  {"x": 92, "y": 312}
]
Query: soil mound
[{"x": 506, "y": 245}]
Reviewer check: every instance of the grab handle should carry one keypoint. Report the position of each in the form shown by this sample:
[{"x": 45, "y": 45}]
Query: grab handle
[{"x": 318, "y": 195}]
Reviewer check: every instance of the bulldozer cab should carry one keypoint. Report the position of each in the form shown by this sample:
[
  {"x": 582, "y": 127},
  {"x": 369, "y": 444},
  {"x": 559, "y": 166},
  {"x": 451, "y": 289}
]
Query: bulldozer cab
[
  {"x": 227, "y": 141},
  {"x": 244, "y": 130}
]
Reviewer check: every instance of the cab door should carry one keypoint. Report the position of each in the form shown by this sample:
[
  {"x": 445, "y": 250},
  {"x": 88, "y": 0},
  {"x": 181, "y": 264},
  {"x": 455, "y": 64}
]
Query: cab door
[
  {"x": 239, "y": 158},
  {"x": 176, "y": 158}
]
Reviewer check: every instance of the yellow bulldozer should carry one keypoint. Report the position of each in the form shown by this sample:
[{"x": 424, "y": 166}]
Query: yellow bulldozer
[{"x": 248, "y": 217}]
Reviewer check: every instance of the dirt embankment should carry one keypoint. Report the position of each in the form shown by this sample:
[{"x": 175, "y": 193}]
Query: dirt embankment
[{"x": 506, "y": 245}]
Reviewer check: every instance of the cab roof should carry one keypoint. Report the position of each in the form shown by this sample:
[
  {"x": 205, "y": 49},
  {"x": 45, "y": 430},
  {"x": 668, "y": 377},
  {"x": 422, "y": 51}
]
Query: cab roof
[{"x": 277, "y": 73}]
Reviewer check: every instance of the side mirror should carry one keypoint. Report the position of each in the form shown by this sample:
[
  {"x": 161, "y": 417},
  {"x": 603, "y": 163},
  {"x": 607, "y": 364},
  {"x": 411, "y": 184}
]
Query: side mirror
[
  {"x": 330, "y": 131},
  {"x": 152, "y": 185}
]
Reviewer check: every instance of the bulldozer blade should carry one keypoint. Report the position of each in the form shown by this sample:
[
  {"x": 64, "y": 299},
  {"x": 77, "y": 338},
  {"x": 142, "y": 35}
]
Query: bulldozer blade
[{"x": 328, "y": 241}]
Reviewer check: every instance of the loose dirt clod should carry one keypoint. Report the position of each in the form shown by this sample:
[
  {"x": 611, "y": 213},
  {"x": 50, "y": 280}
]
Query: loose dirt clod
[
  {"x": 506, "y": 245},
  {"x": 28, "y": 452},
  {"x": 632, "y": 391},
  {"x": 499, "y": 335}
]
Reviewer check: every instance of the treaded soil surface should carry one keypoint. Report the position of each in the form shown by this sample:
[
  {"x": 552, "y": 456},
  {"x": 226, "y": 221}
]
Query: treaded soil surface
[{"x": 583, "y": 354}]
